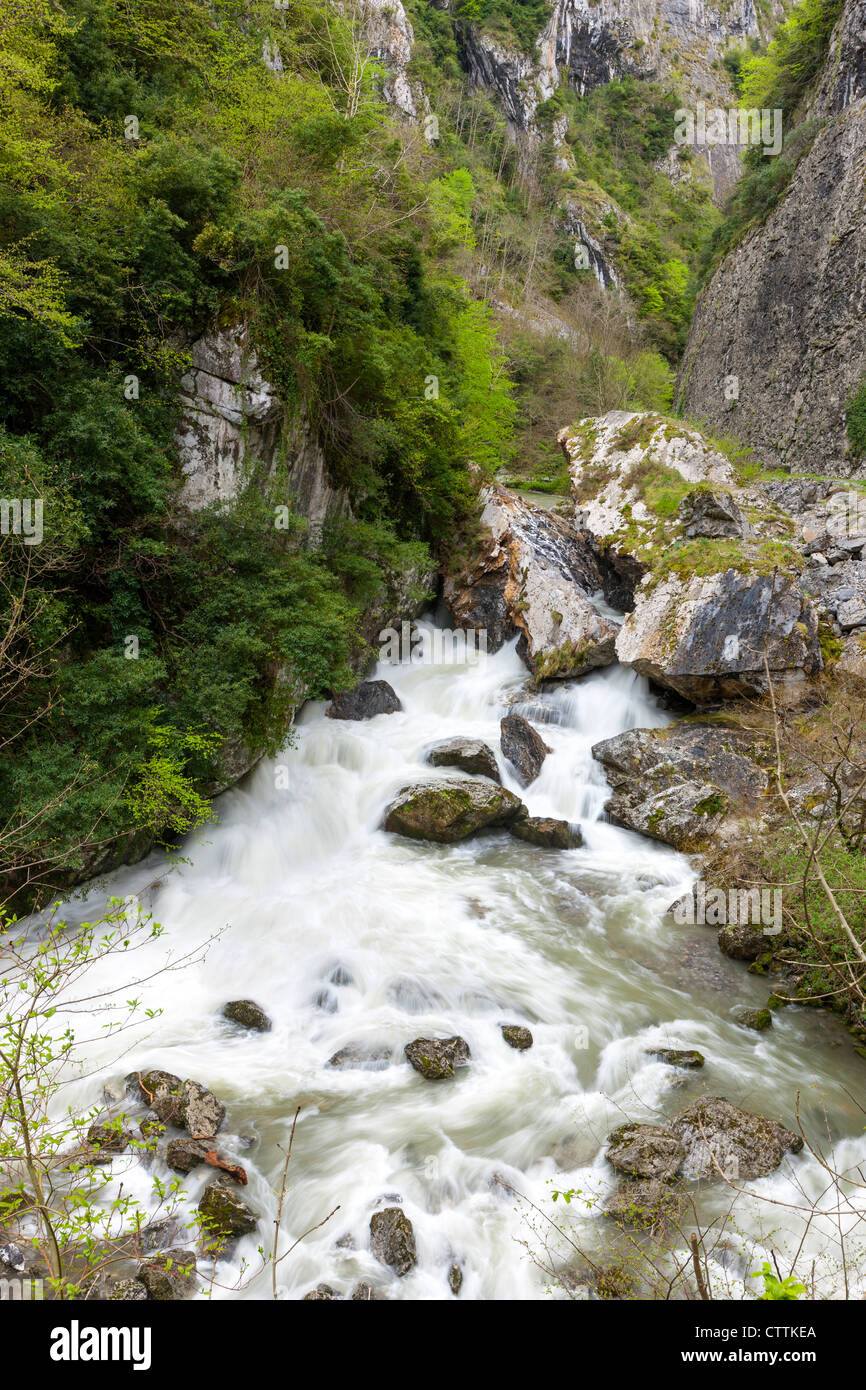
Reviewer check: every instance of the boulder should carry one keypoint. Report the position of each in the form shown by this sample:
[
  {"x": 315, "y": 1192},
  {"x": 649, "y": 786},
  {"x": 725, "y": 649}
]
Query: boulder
[
  {"x": 645, "y": 1151},
  {"x": 365, "y": 1293},
  {"x": 547, "y": 832},
  {"x": 247, "y": 1015},
  {"x": 742, "y": 941},
  {"x": 523, "y": 746},
  {"x": 223, "y": 1213},
  {"x": 516, "y": 1036},
  {"x": 361, "y": 1056},
  {"x": 437, "y": 1058},
  {"x": 468, "y": 754},
  {"x": 185, "y": 1154},
  {"x": 532, "y": 574},
  {"x": 688, "y": 1058},
  {"x": 198, "y": 1110},
  {"x": 757, "y": 1019},
  {"x": 128, "y": 1291},
  {"x": 168, "y": 1277},
  {"x": 449, "y": 811},
  {"x": 107, "y": 1139},
  {"x": 392, "y": 1240},
  {"x": 745, "y": 1146},
  {"x": 455, "y": 1279},
  {"x": 688, "y": 785},
  {"x": 649, "y": 1206},
  {"x": 323, "y": 1291},
  {"x": 365, "y": 701}
]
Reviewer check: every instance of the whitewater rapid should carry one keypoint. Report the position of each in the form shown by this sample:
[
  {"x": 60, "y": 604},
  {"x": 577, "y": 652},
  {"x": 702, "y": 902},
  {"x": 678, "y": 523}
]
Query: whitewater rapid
[{"x": 345, "y": 934}]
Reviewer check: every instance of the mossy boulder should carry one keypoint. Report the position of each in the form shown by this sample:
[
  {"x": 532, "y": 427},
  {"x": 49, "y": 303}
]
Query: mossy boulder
[
  {"x": 246, "y": 1014},
  {"x": 392, "y": 1240},
  {"x": 718, "y": 1135},
  {"x": 437, "y": 1058},
  {"x": 449, "y": 811},
  {"x": 223, "y": 1213},
  {"x": 644, "y": 1151},
  {"x": 169, "y": 1277},
  {"x": 757, "y": 1019},
  {"x": 688, "y": 1058},
  {"x": 649, "y": 1206},
  {"x": 516, "y": 1036}
]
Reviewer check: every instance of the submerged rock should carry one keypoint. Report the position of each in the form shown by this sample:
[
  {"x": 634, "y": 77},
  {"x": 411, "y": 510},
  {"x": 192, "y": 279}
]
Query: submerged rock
[
  {"x": 437, "y": 1058},
  {"x": 392, "y": 1240},
  {"x": 449, "y": 811},
  {"x": 468, "y": 754},
  {"x": 516, "y": 1035},
  {"x": 547, "y": 832},
  {"x": 689, "y": 1058},
  {"x": 361, "y": 1056},
  {"x": 364, "y": 702},
  {"x": 247, "y": 1015},
  {"x": 523, "y": 746}
]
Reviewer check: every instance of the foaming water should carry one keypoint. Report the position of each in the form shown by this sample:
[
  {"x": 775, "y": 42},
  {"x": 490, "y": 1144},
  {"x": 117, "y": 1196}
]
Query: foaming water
[{"x": 347, "y": 935}]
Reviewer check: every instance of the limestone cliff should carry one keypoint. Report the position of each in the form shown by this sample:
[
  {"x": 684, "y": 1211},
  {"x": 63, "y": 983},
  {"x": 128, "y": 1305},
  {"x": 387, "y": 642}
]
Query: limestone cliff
[{"x": 785, "y": 313}]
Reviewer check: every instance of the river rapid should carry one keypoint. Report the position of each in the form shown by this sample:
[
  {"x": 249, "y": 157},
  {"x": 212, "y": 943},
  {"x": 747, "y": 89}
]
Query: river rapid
[{"x": 345, "y": 934}]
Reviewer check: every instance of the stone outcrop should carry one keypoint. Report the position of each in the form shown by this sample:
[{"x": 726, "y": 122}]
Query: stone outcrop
[
  {"x": 533, "y": 575},
  {"x": 785, "y": 313},
  {"x": 717, "y": 579},
  {"x": 688, "y": 785},
  {"x": 390, "y": 37},
  {"x": 449, "y": 811}
]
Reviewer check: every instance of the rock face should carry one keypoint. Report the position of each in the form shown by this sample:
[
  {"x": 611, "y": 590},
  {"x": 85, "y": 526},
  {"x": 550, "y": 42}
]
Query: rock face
[
  {"x": 523, "y": 746},
  {"x": 714, "y": 590},
  {"x": 785, "y": 313},
  {"x": 392, "y": 1240},
  {"x": 687, "y": 785},
  {"x": 390, "y": 38},
  {"x": 449, "y": 811},
  {"x": 247, "y": 1015},
  {"x": 231, "y": 414},
  {"x": 468, "y": 754},
  {"x": 533, "y": 575},
  {"x": 437, "y": 1058},
  {"x": 365, "y": 701}
]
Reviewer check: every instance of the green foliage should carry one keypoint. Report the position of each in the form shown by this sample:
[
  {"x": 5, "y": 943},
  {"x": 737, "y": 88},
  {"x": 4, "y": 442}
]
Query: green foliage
[
  {"x": 779, "y": 77},
  {"x": 518, "y": 23},
  {"x": 855, "y": 420},
  {"x": 778, "y": 1290}
]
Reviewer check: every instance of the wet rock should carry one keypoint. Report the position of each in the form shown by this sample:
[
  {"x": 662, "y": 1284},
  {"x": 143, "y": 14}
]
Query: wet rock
[
  {"x": 128, "y": 1291},
  {"x": 320, "y": 1291},
  {"x": 468, "y": 754},
  {"x": 158, "y": 1235},
  {"x": 365, "y": 1293},
  {"x": 532, "y": 573},
  {"x": 223, "y": 1213},
  {"x": 688, "y": 1058},
  {"x": 185, "y": 1154},
  {"x": 745, "y": 942},
  {"x": 455, "y": 1279},
  {"x": 448, "y": 811},
  {"x": 437, "y": 1058},
  {"x": 392, "y": 1240},
  {"x": 714, "y": 1132},
  {"x": 362, "y": 1057},
  {"x": 523, "y": 746},
  {"x": 364, "y": 702},
  {"x": 688, "y": 785},
  {"x": 327, "y": 1001},
  {"x": 247, "y": 1015},
  {"x": 340, "y": 976},
  {"x": 516, "y": 1035},
  {"x": 647, "y": 1205},
  {"x": 758, "y": 1019},
  {"x": 106, "y": 1139},
  {"x": 547, "y": 832},
  {"x": 645, "y": 1151},
  {"x": 151, "y": 1127},
  {"x": 157, "y": 1089},
  {"x": 170, "y": 1276},
  {"x": 198, "y": 1110}
]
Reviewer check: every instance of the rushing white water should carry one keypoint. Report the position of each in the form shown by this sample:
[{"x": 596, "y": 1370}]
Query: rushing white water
[{"x": 345, "y": 934}]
